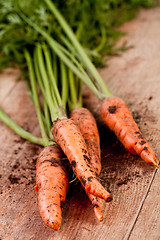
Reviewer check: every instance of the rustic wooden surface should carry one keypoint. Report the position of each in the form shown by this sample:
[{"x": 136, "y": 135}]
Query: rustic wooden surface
[{"x": 134, "y": 212}]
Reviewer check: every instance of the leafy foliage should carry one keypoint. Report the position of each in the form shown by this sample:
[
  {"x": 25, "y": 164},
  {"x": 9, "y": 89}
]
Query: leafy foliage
[{"x": 94, "y": 22}]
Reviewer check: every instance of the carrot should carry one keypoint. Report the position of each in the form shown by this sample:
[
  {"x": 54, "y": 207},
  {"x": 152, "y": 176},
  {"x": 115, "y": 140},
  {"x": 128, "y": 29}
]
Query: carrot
[
  {"x": 51, "y": 185},
  {"x": 83, "y": 118},
  {"x": 118, "y": 118},
  {"x": 97, "y": 204},
  {"x": 85, "y": 121},
  {"x": 70, "y": 139},
  {"x": 128, "y": 133}
]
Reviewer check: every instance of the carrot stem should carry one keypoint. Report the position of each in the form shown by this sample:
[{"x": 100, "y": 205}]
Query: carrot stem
[
  {"x": 103, "y": 40},
  {"x": 35, "y": 95},
  {"x": 48, "y": 119},
  {"x": 51, "y": 75},
  {"x": 75, "y": 100},
  {"x": 21, "y": 132},
  {"x": 61, "y": 53},
  {"x": 45, "y": 105},
  {"x": 79, "y": 93},
  {"x": 83, "y": 56},
  {"x": 64, "y": 84},
  {"x": 38, "y": 75},
  {"x": 45, "y": 79},
  {"x": 72, "y": 55},
  {"x": 55, "y": 66},
  {"x": 73, "y": 91}
]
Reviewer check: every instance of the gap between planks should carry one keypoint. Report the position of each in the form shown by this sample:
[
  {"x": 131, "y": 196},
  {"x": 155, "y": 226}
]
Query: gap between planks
[{"x": 128, "y": 233}]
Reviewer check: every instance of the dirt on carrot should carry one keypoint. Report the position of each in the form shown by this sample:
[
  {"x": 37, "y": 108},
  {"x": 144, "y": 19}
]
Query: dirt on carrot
[
  {"x": 97, "y": 204},
  {"x": 85, "y": 121},
  {"x": 118, "y": 118},
  {"x": 70, "y": 139},
  {"x": 83, "y": 118},
  {"x": 51, "y": 184}
]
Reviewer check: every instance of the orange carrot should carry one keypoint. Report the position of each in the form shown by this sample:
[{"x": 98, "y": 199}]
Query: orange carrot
[
  {"x": 85, "y": 121},
  {"x": 51, "y": 184},
  {"x": 97, "y": 204},
  {"x": 70, "y": 139},
  {"x": 118, "y": 118}
]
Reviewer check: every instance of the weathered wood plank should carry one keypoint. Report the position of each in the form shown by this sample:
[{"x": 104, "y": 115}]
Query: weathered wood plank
[
  {"x": 17, "y": 156},
  {"x": 135, "y": 78},
  {"x": 148, "y": 224}
]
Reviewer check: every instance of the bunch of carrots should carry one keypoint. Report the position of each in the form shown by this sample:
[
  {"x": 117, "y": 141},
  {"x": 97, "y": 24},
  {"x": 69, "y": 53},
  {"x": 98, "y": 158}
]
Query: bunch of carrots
[{"x": 69, "y": 132}]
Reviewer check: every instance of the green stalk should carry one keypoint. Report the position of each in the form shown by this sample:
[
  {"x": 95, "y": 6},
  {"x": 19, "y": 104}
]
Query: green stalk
[
  {"x": 50, "y": 79},
  {"x": 55, "y": 67},
  {"x": 75, "y": 100},
  {"x": 48, "y": 120},
  {"x": 59, "y": 111},
  {"x": 85, "y": 79},
  {"x": 39, "y": 80},
  {"x": 38, "y": 75},
  {"x": 80, "y": 100},
  {"x": 103, "y": 40},
  {"x": 42, "y": 87},
  {"x": 51, "y": 75},
  {"x": 69, "y": 45},
  {"x": 84, "y": 58},
  {"x": 79, "y": 30},
  {"x": 64, "y": 84},
  {"x": 35, "y": 96},
  {"x": 20, "y": 131},
  {"x": 73, "y": 91},
  {"x": 45, "y": 79},
  {"x": 57, "y": 48},
  {"x": 98, "y": 91}
]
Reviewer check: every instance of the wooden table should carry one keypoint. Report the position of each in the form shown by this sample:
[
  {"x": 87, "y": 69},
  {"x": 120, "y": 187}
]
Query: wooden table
[{"x": 134, "y": 212}]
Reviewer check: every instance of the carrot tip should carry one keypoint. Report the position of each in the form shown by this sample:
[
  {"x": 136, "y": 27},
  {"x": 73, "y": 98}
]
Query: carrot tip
[
  {"x": 99, "y": 218},
  {"x": 101, "y": 192},
  {"x": 109, "y": 198},
  {"x": 156, "y": 165},
  {"x": 99, "y": 215},
  {"x": 55, "y": 226}
]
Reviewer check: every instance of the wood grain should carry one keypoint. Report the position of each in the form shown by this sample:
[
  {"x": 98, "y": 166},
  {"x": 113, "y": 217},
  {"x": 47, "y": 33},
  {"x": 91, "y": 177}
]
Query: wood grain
[
  {"x": 134, "y": 76},
  {"x": 147, "y": 225}
]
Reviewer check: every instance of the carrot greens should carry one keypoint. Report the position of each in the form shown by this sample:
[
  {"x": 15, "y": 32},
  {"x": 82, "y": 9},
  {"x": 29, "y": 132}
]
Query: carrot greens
[{"x": 20, "y": 131}]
